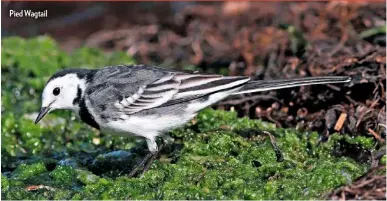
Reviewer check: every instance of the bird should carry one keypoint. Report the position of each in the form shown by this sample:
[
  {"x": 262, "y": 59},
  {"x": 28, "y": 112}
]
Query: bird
[{"x": 148, "y": 101}]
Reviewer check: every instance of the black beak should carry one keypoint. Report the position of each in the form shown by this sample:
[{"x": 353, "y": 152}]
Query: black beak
[{"x": 42, "y": 113}]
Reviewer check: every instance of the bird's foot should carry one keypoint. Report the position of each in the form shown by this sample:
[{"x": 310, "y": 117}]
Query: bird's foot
[{"x": 148, "y": 160}]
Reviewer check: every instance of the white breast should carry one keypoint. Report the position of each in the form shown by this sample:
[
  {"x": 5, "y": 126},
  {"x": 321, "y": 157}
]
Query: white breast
[{"x": 145, "y": 126}]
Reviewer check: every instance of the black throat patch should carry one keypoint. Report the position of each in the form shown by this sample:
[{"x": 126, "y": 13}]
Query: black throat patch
[
  {"x": 79, "y": 96},
  {"x": 85, "y": 114}
]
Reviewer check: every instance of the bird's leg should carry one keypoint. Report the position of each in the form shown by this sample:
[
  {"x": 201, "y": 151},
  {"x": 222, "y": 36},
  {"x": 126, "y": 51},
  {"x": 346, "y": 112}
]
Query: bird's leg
[
  {"x": 166, "y": 140},
  {"x": 152, "y": 146},
  {"x": 149, "y": 163},
  {"x": 135, "y": 168}
]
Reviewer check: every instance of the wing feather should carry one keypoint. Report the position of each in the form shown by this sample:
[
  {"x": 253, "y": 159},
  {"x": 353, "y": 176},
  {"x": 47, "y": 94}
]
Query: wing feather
[
  {"x": 150, "y": 96},
  {"x": 176, "y": 88},
  {"x": 136, "y": 88},
  {"x": 203, "y": 86}
]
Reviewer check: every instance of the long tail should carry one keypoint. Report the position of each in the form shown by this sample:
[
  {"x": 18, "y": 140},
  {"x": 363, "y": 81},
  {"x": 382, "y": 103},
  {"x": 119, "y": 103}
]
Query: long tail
[{"x": 266, "y": 85}]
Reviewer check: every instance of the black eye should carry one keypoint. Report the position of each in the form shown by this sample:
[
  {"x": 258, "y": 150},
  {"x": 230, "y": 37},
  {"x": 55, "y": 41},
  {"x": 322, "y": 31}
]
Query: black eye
[{"x": 56, "y": 91}]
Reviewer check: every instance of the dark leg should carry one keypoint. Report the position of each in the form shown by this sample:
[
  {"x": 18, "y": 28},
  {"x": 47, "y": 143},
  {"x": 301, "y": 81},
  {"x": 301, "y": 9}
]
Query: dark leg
[
  {"x": 277, "y": 151},
  {"x": 167, "y": 140},
  {"x": 136, "y": 167},
  {"x": 149, "y": 163},
  {"x": 149, "y": 158}
]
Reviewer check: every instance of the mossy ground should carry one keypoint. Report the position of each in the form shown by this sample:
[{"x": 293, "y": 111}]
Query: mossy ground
[{"x": 216, "y": 156}]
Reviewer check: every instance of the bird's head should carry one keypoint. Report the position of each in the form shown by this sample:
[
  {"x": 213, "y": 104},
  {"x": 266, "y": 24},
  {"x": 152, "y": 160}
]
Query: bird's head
[{"x": 64, "y": 90}]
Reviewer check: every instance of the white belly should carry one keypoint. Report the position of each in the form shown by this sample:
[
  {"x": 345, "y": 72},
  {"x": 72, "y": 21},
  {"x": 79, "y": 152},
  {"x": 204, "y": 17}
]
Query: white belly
[{"x": 145, "y": 126}]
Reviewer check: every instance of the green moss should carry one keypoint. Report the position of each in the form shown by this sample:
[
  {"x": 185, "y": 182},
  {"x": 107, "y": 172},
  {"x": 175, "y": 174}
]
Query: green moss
[
  {"x": 25, "y": 171},
  {"x": 365, "y": 142},
  {"x": 373, "y": 31},
  {"x": 64, "y": 175},
  {"x": 86, "y": 177},
  {"x": 221, "y": 156},
  {"x": 383, "y": 160},
  {"x": 4, "y": 184},
  {"x": 62, "y": 195}
]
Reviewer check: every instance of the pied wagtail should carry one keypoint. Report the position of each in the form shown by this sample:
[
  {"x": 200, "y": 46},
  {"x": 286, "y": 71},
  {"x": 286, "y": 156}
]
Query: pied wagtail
[{"x": 148, "y": 101}]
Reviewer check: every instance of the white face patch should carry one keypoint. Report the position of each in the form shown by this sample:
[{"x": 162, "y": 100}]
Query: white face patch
[{"x": 67, "y": 86}]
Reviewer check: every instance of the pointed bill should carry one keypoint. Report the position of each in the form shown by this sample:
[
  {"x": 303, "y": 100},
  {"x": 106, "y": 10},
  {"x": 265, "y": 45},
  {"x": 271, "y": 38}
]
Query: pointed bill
[{"x": 42, "y": 113}]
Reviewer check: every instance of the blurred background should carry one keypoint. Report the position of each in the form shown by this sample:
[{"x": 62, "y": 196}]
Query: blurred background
[{"x": 264, "y": 40}]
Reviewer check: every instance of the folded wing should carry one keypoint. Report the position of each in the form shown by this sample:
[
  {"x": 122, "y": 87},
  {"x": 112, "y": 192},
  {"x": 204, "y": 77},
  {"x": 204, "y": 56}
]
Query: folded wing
[{"x": 175, "y": 88}]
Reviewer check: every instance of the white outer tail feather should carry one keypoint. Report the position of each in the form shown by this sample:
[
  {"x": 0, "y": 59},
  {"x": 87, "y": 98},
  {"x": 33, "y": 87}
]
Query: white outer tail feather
[{"x": 267, "y": 85}]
